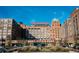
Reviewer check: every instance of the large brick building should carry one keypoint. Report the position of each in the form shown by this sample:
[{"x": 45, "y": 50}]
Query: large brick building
[
  {"x": 55, "y": 30},
  {"x": 62, "y": 34},
  {"x": 75, "y": 18},
  {"x": 9, "y": 30},
  {"x": 39, "y": 31},
  {"x": 71, "y": 29}
]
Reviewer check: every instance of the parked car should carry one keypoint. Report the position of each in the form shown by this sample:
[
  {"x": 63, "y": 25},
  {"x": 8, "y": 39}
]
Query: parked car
[
  {"x": 65, "y": 46},
  {"x": 76, "y": 46},
  {"x": 3, "y": 50}
]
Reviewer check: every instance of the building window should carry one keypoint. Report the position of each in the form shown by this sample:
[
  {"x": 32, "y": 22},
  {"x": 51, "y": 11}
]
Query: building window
[
  {"x": 4, "y": 33},
  {"x": 9, "y": 25},
  {"x": 5, "y": 22},
  {"x": 5, "y": 25},
  {"x": 9, "y": 30},
  {"x": 9, "y": 33},
  {"x": 4, "y": 30},
  {"x": 10, "y": 21},
  {"x": 4, "y": 37},
  {"x": 1, "y": 27},
  {"x": 0, "y": 30}
]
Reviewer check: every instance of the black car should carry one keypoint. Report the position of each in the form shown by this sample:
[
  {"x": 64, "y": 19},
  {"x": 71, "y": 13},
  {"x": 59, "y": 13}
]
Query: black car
[{"x": 76, "y": 46}]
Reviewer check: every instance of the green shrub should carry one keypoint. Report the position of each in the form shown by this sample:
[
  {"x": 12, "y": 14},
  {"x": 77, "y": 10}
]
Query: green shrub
[{"x": 44, "y": 49}]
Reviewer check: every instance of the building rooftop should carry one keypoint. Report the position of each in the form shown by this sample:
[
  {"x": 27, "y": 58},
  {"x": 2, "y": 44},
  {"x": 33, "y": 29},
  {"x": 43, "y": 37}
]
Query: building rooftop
[
  {"x": 55, "y": 19},
  {"x": 77, "y": 8},
  {"x": 6, "y": 18},
  {"x": 39, "y": 23},
  {"x": 74, "y": 12}
]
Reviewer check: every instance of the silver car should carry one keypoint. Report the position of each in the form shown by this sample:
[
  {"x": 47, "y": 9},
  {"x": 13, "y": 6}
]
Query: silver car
[{"x": 3, "y": 50}]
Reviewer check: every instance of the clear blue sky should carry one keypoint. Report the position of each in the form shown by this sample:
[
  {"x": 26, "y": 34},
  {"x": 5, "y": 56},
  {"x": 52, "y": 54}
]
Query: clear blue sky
[{"x": 29, "y": 14}]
